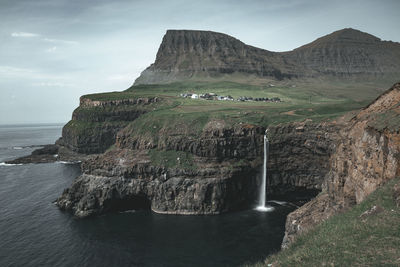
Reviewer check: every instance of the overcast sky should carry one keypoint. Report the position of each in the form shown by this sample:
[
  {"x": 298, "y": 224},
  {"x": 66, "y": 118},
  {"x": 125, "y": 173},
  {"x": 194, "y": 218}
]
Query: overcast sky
[{"x": 53, "y": 51}]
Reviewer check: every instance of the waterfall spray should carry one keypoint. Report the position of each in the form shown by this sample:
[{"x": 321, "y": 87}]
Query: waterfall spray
[{"x": 263, "y": 189}]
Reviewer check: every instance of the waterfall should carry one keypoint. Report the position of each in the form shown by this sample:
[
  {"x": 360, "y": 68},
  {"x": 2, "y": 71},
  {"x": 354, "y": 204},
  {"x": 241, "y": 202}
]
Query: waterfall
[{"x": 263, "y": 189}]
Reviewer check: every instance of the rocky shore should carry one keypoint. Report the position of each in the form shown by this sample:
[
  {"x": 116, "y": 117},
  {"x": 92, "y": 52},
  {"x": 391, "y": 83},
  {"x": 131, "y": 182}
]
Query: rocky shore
[{"x": 48, "y": 154}]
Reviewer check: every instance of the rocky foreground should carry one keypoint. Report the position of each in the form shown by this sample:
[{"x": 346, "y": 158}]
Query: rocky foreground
[{"x": 366, "y": 157}]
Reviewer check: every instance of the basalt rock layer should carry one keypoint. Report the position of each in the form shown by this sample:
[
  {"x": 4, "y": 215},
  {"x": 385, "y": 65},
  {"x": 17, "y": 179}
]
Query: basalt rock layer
[
  {"x": 216, "y": 171},
  {"x": 95, "y": 123},
  {"x": 126, "y": 178},
  {"x": 367, "y": 155},
  {"x": 299, "y": 156}
]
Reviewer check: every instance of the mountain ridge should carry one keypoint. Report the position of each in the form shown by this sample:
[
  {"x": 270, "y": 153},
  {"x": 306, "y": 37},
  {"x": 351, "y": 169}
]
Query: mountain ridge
[{"x": 190, "y": 54}]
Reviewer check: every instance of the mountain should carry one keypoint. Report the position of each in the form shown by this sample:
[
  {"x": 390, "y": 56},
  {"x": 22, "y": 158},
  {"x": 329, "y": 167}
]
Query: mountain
[
  {"x": 348, "y": 52},
  {"x": 188, "y": 54}
]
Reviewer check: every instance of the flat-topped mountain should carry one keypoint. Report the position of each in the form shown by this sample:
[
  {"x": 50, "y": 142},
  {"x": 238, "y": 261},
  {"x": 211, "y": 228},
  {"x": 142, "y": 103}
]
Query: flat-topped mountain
[{"x": 187, "y": 54}]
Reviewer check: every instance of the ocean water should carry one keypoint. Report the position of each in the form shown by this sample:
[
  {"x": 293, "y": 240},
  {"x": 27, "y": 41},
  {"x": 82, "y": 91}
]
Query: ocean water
[{"x": 34, "y": 232}]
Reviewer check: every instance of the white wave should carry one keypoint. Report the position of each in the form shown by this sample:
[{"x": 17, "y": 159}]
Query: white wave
[
  {"x": 128, "y": 211},
  {"x": 17, "y": 147},
  {"x": 7, "y": 164},
  {"x": 264, "y": 208},
  {"x": 278, "y": 202},
  {"x": 68, "y": 162}
]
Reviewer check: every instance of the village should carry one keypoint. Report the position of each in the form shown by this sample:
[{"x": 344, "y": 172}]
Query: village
[{"x": 213, "y": 96}]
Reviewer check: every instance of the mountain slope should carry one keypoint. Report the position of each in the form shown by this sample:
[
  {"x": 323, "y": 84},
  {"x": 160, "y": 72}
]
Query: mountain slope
[
  {"x": 348, "y": 52},
  {"x": 184, "y": 54},
  {"x": 188, "y": 54}
]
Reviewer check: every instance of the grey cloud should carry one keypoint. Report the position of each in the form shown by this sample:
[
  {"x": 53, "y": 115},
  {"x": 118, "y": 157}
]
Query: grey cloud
[{"x": 61, "y": 49}]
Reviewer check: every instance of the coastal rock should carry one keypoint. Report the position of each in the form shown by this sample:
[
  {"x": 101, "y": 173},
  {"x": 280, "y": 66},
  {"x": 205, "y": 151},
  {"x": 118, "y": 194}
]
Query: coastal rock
[
  {"x": 217, "y": 141},
  {"x": 224, "y": 175},
  {"x": 123, "y": 180},
  {"x": 305, "y": 217},
  {"x": 95, "y": 123},
  {"x": 51, "y": 153},
  {"x": 299, "y": 157},
  {"x": 46, "y": 154}
]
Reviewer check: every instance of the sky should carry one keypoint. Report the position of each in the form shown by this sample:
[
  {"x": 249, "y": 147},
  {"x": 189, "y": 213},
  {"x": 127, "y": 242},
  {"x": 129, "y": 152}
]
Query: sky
[{"x": 54, "y": 51}]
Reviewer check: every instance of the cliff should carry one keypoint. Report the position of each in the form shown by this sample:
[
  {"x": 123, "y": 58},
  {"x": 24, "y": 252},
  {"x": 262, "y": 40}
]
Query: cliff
[
  {"x": 201, "y": 178},
  {"x": 299, "y": 157},
  {"x": 189, "y": 54},
  {"x": 367, "y": 156},
  {"x": 196, "y": 167},
  {"x": 154, "y": 150},
  {"x": 95, "y": 123}
]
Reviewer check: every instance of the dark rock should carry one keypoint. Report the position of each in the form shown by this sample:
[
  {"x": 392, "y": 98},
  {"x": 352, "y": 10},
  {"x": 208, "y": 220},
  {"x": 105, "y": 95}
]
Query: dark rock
[
  {"x": 226, "y": 175},
  {"x": 95, "y": 124},
  {"x": 50, "y": 153},
  {"x": 46, "y": 154},
  {"x": 111, "y": 183},
  {"x": 299, "y": 160}
]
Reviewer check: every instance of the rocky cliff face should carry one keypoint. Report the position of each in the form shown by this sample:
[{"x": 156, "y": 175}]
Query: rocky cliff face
[
  {"x": 216, "y": 171},
  {"x": 299, "y": 156},
  {"x": 129, "y": 178},
  {"x": 185, "y": 54},
  {"x": 95, "y": 123},
  {"x": 367, "y": 155}
]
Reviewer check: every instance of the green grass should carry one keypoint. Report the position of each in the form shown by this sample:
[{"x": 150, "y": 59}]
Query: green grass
[
  {"x": 110, "y": 96},
  {"x": 348, "y": 240},
  {"x": 172, "y": 159},
  {"x": 302, "y": 100}
]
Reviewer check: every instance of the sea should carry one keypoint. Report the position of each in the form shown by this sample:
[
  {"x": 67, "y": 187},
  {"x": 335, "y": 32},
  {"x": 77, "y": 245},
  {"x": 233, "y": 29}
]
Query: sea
[{"x": 34, "y": 232}]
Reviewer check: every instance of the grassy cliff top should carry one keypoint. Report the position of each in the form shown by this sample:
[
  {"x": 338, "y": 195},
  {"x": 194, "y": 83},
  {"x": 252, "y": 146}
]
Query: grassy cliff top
[{"x": 300, "y": 100}]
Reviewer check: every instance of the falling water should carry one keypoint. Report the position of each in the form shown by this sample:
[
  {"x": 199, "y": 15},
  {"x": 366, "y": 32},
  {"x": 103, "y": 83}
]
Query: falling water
[{"x": 263, "y": 189}]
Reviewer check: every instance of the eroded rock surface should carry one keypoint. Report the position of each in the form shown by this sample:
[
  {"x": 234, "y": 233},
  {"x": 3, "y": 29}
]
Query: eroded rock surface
[
  {"x": 367, "y": 155},
  {"x": 299, "y": 156},
  {"x": 224, "y": 174}
]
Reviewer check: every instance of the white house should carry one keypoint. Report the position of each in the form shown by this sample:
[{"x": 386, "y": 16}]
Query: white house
[{"x": 195, "y": 96}]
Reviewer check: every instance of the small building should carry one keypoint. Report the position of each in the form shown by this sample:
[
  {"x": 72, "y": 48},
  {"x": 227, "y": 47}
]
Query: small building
[{"x": 195, "y": 96}]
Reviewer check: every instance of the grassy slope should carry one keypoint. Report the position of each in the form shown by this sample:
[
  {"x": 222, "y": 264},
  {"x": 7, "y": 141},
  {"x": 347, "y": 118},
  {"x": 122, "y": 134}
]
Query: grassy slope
[
  {"x": 301, "y": 100},
  {"x": 348, "y": 240}
]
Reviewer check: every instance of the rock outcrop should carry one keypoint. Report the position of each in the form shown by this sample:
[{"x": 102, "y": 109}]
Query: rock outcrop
[
  {"x": 95, "y": 123},
  {"x": 46, "y": 154},
  {"x": 188, "y": 54},
  {"x": 367, "y": 155},
  {"x": 214, "y": 182},
  {"x": 299, "y": 157}
]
